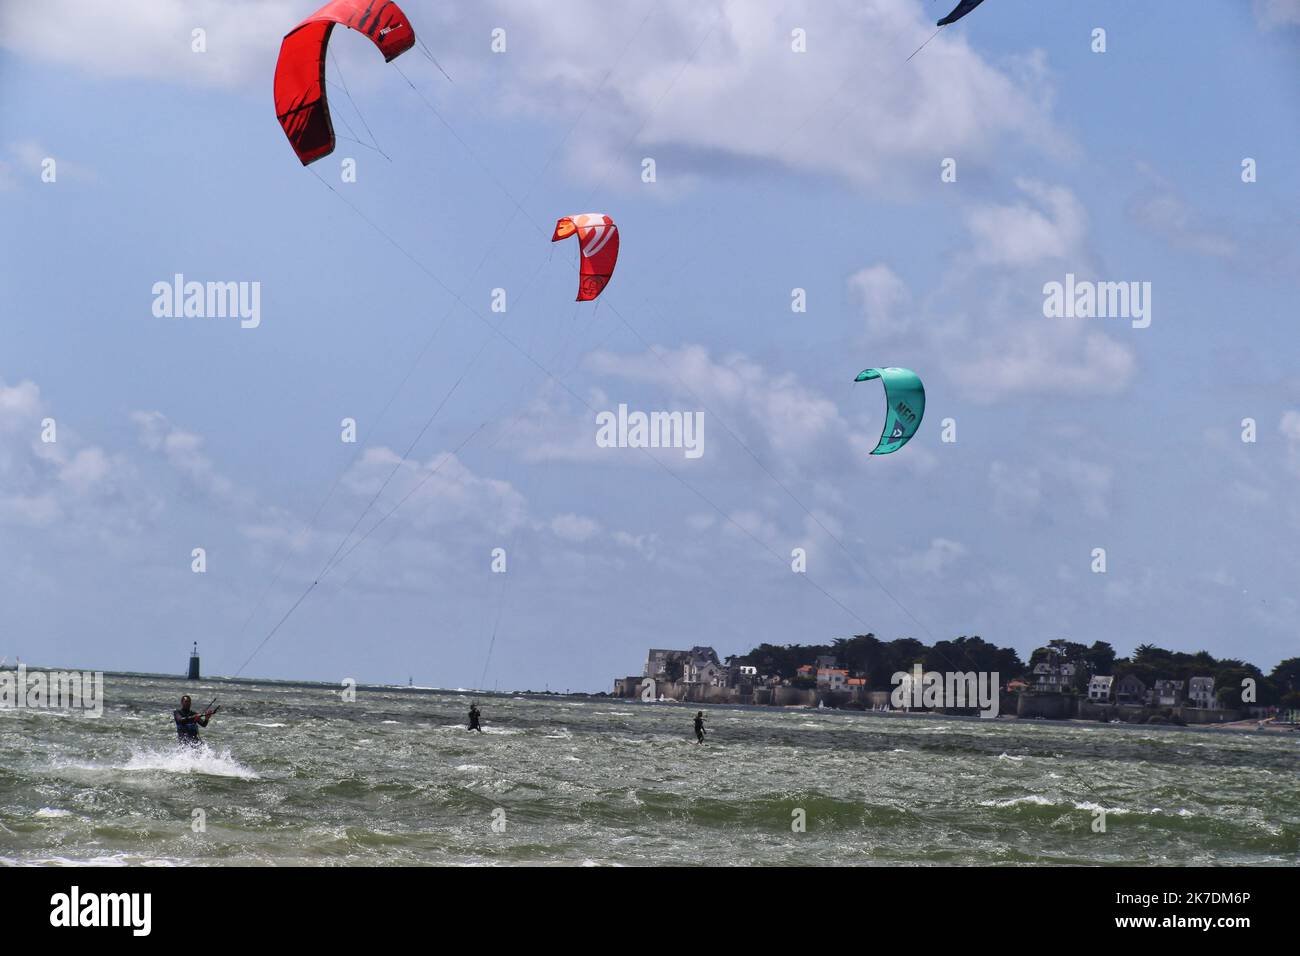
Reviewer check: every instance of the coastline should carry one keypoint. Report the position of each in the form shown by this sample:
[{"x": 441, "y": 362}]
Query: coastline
[{"x": 1247, "y": 726}]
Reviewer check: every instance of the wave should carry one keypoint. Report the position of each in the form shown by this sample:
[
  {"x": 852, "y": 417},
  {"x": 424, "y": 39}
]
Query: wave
[{"x": 189, "y": 760}]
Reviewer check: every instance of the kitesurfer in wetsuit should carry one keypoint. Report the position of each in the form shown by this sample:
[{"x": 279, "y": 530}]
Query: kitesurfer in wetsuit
[
  {"x": 189, "y": 721},
  {"x": 473, "y": 718},
  {"x": 699, "y": 727}
]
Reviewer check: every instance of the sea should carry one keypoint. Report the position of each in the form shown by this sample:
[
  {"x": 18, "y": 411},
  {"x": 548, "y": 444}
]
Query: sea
[{"x": 297, "y": 774}]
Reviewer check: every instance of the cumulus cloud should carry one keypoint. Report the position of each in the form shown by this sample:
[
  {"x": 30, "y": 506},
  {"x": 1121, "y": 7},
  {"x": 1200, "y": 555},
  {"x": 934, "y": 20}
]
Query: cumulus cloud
[
  {"x": 718, "y": 81},
  {"x": 438, "y": 491},
  {"x": 183, "y": 450},
  {"x": 43, "y": 482},
  {"x": 983, "y": 325},
  {"x": 1049, "y": 224},
  {"x": 149, "y": 38},
  {"x": 761, "y": 406},
  {"x": 778, "y": 418},
  {"x": 884, "y": 299},
  {"x": 575, "y": 528},
  {"x": 694, "y": 84},
  {"x": 643, "y": 544}
]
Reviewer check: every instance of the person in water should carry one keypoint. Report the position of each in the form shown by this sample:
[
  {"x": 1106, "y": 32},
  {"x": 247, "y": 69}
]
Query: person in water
[
  {"x": 699, "y": 727},
  {"x": 474, "y": 718},
  {"x": 188, "y": 722}
]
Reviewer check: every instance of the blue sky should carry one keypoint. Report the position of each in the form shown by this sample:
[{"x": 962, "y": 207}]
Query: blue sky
[{"x": 775, "y": 170}]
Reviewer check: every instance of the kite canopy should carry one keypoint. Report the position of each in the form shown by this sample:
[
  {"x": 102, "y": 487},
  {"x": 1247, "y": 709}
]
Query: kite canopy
[
  {"x": 598, "y": 240},
  {"x": 300, "y": 103},
  {"x": 905, "y": 401},
  {"x": 963, "y": 8}
]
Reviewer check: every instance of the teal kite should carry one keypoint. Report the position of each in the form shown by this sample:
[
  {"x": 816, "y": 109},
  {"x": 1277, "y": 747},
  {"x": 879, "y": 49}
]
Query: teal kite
[{"x": 905, "y": 400}]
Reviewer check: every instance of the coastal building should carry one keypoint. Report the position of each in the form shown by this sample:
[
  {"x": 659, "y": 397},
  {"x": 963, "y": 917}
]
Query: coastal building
[
  {"x": 1200, "y": 693},
  {"x": 806, "y": 670},
  {"x": 826, "y": 661},
  {"x": 1167, "y": 693},
  {"x": 1053, "y": 677},
  {"x": 697, "y": 665},
  {"x": 1099, "y": 688},
  {"x": 832, "y": 678},
  {"x": 660, "y": 663},
  {"x": 1130, "y": 690},
  {"x": 703, "y": 667}
]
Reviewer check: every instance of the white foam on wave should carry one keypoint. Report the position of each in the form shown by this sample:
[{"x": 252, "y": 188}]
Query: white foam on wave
[
  {"x": 116, "y": 859},
  {"x": 51, "y": 812},
  {"x": 269, "y": 726},
  {"x": 189, "y": 760},
  {"x": 1038, "y": 800},
  {"x": 1034, "y": 798}
]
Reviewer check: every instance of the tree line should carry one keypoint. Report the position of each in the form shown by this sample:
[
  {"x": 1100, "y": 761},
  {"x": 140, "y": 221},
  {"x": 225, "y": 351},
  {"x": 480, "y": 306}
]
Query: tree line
[{"x": 879, "y": 660}]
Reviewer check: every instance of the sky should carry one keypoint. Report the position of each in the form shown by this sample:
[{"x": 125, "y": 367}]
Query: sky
[{"x": 794, "y": 147}]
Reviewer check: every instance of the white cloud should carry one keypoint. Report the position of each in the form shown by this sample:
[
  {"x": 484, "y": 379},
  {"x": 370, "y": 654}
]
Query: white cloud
[
  {"x": 34, "y": 510},
  {"x": 643, "y": 544},
  {"x": 87, "y": 468},
  {"x": 762, "y": 407},
  {"x": 441, "y": 490},
  {"x": 575, "y": 528},
  {"x": 695, "y": 83},
  {"x": 884, "y": 298},
  {"x": 746, "y": 97},
  {"x": 1050, "y": 226},
  {"x": 19, "y": 406},
  {"x": 182, "y": 449},
  {"x": 152, "y": 38},
  {"x": 1271, "y": 14},
  {"x": 45, "y": 482},
  {"x": 983, "y": 326}
]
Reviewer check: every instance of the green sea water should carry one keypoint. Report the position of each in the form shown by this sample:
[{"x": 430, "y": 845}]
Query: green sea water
[{"x": 292, "y": 774}]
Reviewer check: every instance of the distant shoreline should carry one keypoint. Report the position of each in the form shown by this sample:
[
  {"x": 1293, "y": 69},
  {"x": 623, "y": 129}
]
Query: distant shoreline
[{"x": 1251, "y": 726}]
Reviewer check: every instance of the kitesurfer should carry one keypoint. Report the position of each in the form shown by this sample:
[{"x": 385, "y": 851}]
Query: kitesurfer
[
  {"x": 188, "y": 721},
  {"x": 474, "y": 716},
  {"x": 699, "y": 727}
]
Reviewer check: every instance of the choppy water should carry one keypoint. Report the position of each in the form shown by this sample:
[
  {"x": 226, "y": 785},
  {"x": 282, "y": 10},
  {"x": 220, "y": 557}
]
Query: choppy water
[{"x": 293, "y": 775}]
